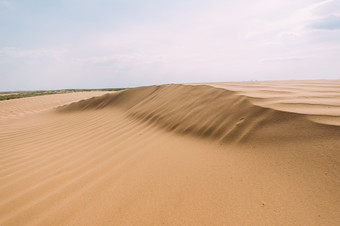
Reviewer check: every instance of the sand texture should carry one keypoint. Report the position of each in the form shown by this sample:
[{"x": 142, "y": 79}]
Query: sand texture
[{"x": 247, "y": 153}]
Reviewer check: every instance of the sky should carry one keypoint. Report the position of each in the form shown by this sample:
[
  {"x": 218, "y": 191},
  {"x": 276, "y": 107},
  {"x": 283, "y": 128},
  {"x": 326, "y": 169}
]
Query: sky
[{"x": 64, "y": 44}]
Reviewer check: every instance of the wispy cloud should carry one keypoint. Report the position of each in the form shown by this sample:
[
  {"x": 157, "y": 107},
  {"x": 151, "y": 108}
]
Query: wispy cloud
[
  {"x": 34, "y": 53},
  {"x": 122, "y": 59},
  {"x": 288, "y": 59},
  {"x": 326, "y": 15}
]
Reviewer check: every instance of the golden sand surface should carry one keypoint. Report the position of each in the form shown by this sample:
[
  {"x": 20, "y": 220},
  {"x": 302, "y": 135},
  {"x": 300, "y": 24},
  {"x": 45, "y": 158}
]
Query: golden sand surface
[{"x": 246, "y": 153}]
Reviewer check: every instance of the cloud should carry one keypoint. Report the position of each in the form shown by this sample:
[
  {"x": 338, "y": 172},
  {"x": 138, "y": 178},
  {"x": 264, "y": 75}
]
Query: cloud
[
  {"x": 330, "y": 8},
  {"x": 289, "y": 35},
  {"x": 122, "y": 60},
  {"x": 326, "y": 16},
  {"x": 34, "y": 53},
  {"x": 271, "y": 43},
  {"x": 112, "y": 43},
  {"x": 288, "y": 59}
]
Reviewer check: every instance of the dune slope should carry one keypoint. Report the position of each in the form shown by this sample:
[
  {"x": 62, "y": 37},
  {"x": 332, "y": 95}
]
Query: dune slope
[
  {"x": 172, "y": 155},
  {"x": 218, "y": 113}
]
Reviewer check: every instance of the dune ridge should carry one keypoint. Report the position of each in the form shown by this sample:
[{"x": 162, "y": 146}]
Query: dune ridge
[
  {"x": 207, "y": 111},
  {"x": 317, "y": 99}
]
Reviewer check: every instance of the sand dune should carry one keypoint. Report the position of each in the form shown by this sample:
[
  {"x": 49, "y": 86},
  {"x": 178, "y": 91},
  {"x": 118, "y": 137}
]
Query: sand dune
[
  {"x": 18, "y": 107},
  {"x": 218, "y": 113},
  {"x": 212, "y": 154},
  {"x": 319, "y": 100}
]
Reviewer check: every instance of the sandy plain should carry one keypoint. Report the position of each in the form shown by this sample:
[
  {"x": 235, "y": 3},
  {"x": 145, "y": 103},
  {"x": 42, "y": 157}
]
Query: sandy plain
[{"x": 242, "y": 153}]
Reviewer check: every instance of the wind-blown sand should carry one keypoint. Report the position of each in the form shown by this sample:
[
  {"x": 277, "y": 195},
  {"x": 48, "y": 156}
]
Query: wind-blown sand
[{"x": 251, "y": 153}]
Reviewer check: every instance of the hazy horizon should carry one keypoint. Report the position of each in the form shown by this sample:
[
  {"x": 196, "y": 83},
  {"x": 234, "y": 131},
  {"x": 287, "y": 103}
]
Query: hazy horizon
[{"x": 103, "y": 44}]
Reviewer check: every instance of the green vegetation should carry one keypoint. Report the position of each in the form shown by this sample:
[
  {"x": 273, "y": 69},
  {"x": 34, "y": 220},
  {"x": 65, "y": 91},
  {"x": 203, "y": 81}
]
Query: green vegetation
[{"x": 21, "y": 94}]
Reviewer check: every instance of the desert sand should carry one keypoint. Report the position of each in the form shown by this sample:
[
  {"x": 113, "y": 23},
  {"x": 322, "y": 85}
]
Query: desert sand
[{"x": 238, "y": 153}]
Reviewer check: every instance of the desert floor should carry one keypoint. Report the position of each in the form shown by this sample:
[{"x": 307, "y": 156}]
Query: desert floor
[{"x": 246, "y": 153}]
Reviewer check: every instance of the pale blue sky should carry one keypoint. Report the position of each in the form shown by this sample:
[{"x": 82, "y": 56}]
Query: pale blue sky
[{"x": 102, "y": 43}]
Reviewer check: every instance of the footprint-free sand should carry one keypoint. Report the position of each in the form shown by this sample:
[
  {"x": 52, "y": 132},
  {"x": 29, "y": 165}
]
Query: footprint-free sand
[{"x": 242, "y": 153}]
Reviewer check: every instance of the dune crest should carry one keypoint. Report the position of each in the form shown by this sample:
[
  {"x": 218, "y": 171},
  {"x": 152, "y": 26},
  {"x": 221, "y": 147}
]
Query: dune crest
[{"x": 212, "y": 112}]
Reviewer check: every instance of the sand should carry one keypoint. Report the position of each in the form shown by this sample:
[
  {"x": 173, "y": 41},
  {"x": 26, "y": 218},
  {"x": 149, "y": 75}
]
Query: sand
[{"x": 251, "y": 153}]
